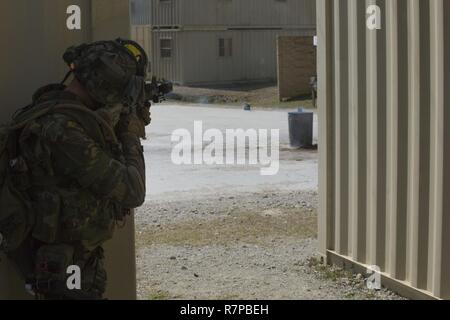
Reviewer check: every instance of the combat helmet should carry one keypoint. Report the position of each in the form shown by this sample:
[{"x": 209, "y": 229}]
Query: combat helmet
[{"x": 111, "y": 71}]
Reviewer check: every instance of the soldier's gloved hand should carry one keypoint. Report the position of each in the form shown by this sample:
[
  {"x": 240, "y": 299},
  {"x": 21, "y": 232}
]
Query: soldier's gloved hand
[
  {"x": 131, "y": 123},
  {"x": 111, "y": 114},
  {"x": 143, "y": 112}
]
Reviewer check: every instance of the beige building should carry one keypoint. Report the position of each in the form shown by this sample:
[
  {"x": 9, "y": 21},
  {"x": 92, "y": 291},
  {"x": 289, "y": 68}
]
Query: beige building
[
  {"x": 384, "y": 145},
  {"x": 218, "y": 41},
  {"x": 34, "y": 37}
]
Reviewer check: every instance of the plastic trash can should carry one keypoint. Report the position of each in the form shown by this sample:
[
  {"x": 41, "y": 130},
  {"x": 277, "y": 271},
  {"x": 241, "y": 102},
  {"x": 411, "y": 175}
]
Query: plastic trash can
[{"x": 301, "y": 129}]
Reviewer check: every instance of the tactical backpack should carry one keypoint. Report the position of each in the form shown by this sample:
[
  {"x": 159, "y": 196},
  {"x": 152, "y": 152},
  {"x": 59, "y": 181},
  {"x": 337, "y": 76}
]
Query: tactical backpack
[
  {"x": 16, "y": 218},
  {"x": 16, "y": 210}
]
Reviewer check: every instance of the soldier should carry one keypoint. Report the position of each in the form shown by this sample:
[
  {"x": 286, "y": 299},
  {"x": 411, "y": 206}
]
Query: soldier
[{"x": 85, "y": 167}]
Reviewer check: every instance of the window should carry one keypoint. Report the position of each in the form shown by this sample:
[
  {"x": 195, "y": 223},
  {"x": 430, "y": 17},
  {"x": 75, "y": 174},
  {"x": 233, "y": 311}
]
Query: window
[
  {"x": 166, "y": 48},
  {"x": 225, "y": 47}
]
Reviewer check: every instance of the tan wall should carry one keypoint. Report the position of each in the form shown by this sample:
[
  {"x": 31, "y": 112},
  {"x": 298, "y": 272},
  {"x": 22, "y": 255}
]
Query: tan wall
[
  {"x": 384, "y": 142},
  {"x": 35, "y": 37},
  {"x": 110, "y": 19},
  {"x": 296, "y": 65},
  {"x": 143, "y": 35}
]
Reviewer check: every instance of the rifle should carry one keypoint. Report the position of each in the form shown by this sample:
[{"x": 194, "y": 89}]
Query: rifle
[
  {"x": 154, "y": 91},
  {"x": 157, "y": 90}
]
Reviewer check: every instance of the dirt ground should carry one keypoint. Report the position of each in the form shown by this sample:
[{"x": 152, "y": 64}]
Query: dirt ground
[
  {"x": 262, "y": 95},
  {"x": 247, "y": 246},
  {"x": 226, "y": 232}
]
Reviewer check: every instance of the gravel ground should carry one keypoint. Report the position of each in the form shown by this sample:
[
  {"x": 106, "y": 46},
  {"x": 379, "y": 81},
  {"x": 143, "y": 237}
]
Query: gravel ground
[
  {"x": 226, "y": 232},
  {"x": 245, "y": 246}
]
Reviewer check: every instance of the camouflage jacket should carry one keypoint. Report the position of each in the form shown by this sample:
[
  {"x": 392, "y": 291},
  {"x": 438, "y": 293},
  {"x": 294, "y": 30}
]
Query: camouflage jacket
[{"x": 81, "y": 184}]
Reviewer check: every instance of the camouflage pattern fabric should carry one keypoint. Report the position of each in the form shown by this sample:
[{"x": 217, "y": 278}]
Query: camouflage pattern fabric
[{"x": 82, "y": 183}]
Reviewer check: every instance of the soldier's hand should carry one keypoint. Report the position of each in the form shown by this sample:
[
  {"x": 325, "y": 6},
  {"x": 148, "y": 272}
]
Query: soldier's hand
[
  {"x": 143, "y": 112},
  {"x": 131, "y": 123}
]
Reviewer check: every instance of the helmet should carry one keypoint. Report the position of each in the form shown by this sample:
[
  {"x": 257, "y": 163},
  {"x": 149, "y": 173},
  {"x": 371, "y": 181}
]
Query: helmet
[{"x": 111, "y": 71}]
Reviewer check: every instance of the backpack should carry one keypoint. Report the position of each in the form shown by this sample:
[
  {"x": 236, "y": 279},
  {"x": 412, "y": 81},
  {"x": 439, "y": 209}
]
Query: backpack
[
  {"x": 16, "y": 216},
  {"x": 16, "y": 210}
]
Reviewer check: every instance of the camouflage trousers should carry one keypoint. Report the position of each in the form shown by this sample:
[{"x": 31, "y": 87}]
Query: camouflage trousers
[{"x": 67, "y": 272}]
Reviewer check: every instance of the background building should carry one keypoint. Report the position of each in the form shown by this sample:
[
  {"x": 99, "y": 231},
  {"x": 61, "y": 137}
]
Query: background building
[
  {"x": 384, "y": 142},
  {"x": 218, "y": 41},
  {"x": 296, "y": 66}
]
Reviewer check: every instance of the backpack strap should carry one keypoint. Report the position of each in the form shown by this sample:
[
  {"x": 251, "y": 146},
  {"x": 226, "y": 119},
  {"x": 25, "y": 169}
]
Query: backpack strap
[
  {"x": 68, "y": 108},
  {"x": 95, "y": 126},
  {"x": 29, "y": 115},
  {"x": 79, "y": 112}
]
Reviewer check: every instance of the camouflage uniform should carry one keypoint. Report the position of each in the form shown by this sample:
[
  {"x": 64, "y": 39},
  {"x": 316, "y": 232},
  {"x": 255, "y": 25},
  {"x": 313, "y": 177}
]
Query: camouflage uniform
[
  {"x": 82, "y": 185},
  {"x": 83, "y": 178}
]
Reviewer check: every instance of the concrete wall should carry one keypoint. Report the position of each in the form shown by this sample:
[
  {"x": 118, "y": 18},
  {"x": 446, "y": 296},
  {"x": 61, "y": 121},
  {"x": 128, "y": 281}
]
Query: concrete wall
[
  {"x": 35, "y": 37},
  {"x": 110, "y": 19},
  {"x": 296, "y": 65},
  {"x": 384, "y": 110}
]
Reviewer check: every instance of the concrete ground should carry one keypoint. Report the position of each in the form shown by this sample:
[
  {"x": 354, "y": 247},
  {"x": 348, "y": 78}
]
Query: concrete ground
[
  {"x": 226, "y": 232},
  {"x": 169, "y": 180}
]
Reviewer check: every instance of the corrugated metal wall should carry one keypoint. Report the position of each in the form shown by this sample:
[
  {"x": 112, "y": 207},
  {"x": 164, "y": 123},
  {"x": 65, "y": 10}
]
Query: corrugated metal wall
[
  {"x": 384, "y": 172},
  {"x": 195, "y": 27},
  {"x": 248, "y": 12},
  {"x": 168, "y": 68},
  {"x": 140, "y": 11},
  {"x": 166, "y": 13},
  {"x": 253, "y": 58},
  {"x": 195, "y": 55}
]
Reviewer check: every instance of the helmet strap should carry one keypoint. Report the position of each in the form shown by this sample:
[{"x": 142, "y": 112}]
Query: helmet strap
[{"x": 67, "y": 76}]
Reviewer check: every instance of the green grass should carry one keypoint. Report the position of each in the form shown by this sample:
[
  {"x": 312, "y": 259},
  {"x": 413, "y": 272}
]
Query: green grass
[
  {"x": 326, "y": 271},
  {"x": 158, "y": 295},
  {"x": 249, "y": 227}
]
